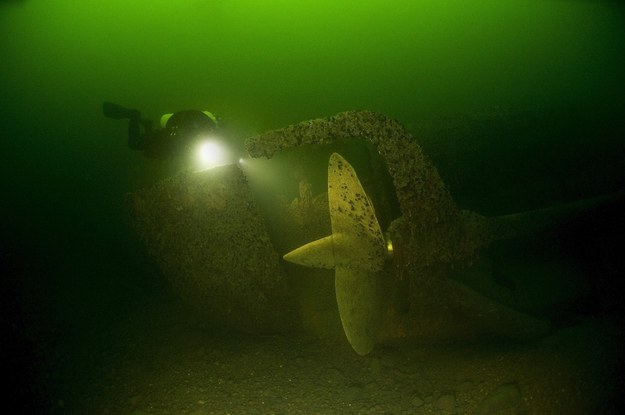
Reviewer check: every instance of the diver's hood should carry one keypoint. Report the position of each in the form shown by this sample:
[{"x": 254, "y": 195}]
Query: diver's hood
[{"x": 166, "y": 117}]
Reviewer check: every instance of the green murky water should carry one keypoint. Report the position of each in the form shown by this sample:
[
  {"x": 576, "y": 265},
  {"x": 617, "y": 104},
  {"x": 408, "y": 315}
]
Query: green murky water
[{"x": 518, "y": 103}]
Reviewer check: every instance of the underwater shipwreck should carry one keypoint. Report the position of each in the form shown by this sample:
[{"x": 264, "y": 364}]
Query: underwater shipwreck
[{"x": 394, "y": 277}]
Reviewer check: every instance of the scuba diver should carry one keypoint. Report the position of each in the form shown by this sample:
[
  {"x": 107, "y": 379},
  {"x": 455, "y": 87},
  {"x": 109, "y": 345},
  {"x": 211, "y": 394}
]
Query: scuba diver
[{"x": 177, "y": 133}]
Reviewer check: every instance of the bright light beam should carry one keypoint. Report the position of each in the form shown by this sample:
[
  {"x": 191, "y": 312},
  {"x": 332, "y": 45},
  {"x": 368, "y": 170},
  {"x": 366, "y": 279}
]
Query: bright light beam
[{"x": 210, "y": 153}]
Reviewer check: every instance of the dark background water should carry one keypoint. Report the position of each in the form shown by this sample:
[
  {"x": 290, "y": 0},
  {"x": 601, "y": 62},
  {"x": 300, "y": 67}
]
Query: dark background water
[{"x": 519, "y": 104}]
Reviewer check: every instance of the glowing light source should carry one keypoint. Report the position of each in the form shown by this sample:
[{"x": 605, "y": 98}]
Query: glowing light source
[
  {"x": 389, "y": 244},
  {"x": 211, "y": 153}
]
